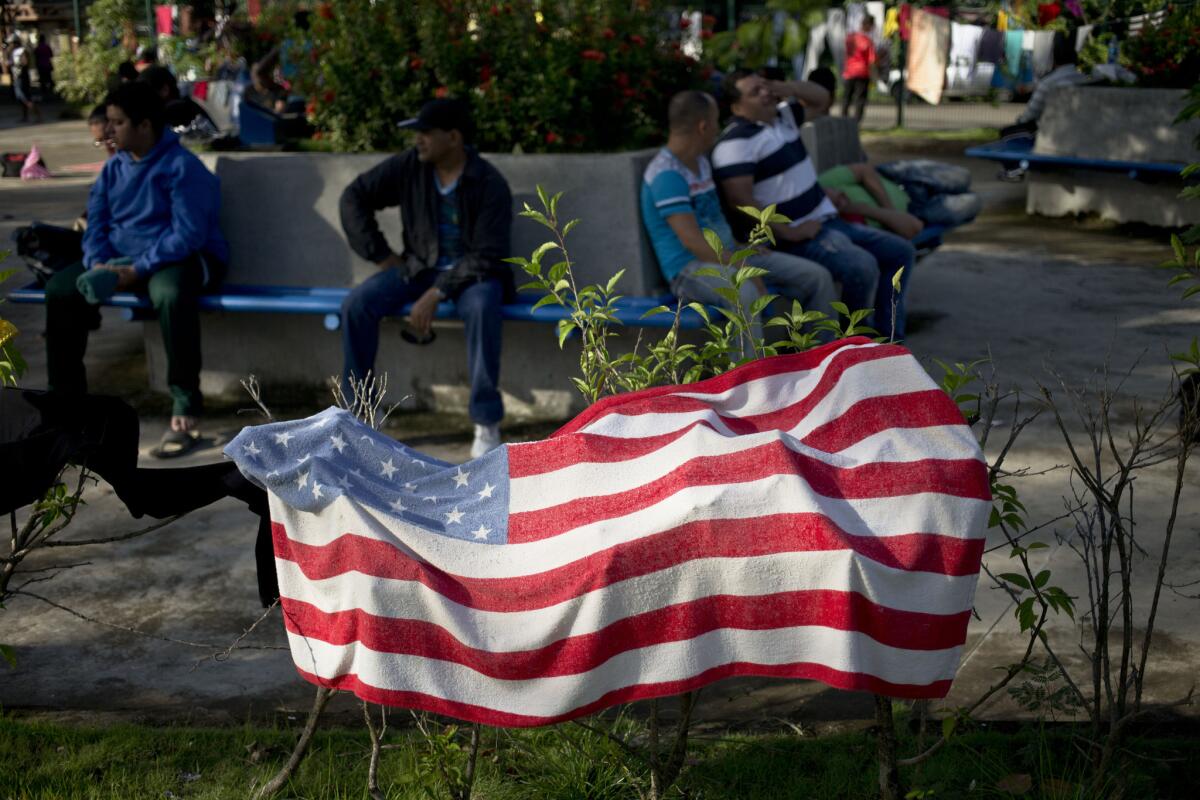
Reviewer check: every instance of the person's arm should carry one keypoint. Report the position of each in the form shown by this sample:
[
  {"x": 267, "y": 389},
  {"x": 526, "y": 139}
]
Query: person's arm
[
  {"x": 1035, "y": 106},
  {"x": 690, "y": 236},
  {"x": 372, "y": 191},
  {"x": 739, "y": 191},
  {"x": 809, "y": 94},
  {"x": 898, "y": 222},
  {"x": 866, "y": 177},
  {"x": 97, "y": 249},
  {"x": 194, "y": 197}
]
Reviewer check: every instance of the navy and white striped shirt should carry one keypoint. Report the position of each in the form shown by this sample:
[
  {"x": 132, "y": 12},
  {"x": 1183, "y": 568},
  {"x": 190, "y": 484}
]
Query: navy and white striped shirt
[{"x": 775, "y": 156}]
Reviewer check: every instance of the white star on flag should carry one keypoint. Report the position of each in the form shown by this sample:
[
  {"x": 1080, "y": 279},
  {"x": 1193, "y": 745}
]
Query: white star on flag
[
  {"x": 344, "y": 482},
  {"x": 316, "y": 490},
  {"x": 302, "y": 481},
  {"x": 398, "y": 506},
  {"x": 460, "y": 478},
  {"x": 338, "y": 442},
  {"x": 410, "y": 486},
  {"x": 481, "y": 532},
  {"x": 251, "y": 449},
  {"x": 303, "y": 458},
  {"x": 487, "y": 491},
  {"x": 454, "y": 517},
  {"x": 283, "y": 438},
  {"x": 388, "y": 468}
]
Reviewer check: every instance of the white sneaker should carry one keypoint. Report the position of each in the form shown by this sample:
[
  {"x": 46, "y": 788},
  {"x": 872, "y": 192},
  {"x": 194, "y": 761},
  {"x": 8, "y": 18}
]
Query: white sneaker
[{"x": 487, "y": 439}]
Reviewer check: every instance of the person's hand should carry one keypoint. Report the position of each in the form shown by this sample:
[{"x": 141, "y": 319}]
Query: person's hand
[
  {"x": 127, "y": 277},
  {"x": 420, "y": 319},
  {"x": 778, "y": 89},
  {"x": 839, "y": 199},
  {"x": 800, "y": 233}
]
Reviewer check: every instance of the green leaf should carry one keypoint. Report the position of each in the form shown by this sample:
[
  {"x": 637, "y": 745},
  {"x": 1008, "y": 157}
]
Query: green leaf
[
  {"x": 6, "y": 652},
  {"x": 840, "y": 307},
  {"x": 714, "y": 241},
  {"x": 612, "y": 282},
  {"x": 541, "y": 193},
  {"x": 570, "y": 226},
  {"x": 657, "y": 310},
  {"x": 758, "y": 305},
  {"x": 1040, "y": 579},
  {"x": 1015, "y": 579},
  {"x": 565, "y": 327},
  {"x": 896, "y": 280},
  {"x": 948, "y": 726},
  {"x": 544, "y": 248},
  {"x": 1038, "y": 546},
  {"x": 545, "y": 300},
  {"x": 751, "y": 211}
]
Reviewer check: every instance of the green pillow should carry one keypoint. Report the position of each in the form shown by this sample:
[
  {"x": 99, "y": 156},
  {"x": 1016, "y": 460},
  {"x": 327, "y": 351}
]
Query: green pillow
[{"x": 842, "y": 177}]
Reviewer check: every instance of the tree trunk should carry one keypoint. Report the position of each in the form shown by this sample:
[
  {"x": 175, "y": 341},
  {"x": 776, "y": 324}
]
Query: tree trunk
[{"x": 885, "y": 750}]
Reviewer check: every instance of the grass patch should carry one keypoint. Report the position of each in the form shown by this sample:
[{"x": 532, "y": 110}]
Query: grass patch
[
  {"x": 962, "y": 135},
  {"x": 50, "y": 761}
]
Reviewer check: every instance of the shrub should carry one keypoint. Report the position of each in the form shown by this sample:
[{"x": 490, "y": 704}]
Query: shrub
[
  {"x": 1166, "y": 55},
  {"x": 541, "y": 77},
  {"x": 83, "y": 76}
]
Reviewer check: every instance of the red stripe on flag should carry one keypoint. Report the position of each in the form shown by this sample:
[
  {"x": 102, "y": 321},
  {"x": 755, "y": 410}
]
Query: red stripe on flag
[
  {"x": 872, "y": 415},
  {"x": 632, "y": 402},
  {"x": 725, "y": 538},
  {"x": 852, "y": 681},
  {"x": 865, "y": 418},
  {"x": 574, "y": 655},
  {"x": 958, "y": 478}
]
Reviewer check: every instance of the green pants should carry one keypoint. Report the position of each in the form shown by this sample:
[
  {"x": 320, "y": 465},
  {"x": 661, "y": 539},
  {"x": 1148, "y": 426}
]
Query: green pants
[{"x": 174, "y": 291}]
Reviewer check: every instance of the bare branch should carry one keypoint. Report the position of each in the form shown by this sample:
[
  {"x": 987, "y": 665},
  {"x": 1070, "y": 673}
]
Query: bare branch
[{"x": 121, "y": 538}]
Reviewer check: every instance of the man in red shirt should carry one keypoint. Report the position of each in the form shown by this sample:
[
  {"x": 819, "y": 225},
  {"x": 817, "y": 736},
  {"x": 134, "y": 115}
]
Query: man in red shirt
[{"x": 860, "y": 63}]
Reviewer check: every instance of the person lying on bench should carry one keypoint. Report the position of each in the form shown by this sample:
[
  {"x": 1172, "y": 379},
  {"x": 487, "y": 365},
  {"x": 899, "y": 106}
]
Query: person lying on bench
[
  {"x": 679, "y": 200},
  {"x": 152, "y": 228},
  {"x": 760, "y": 160},
  {"x": 456, "y": 210}
]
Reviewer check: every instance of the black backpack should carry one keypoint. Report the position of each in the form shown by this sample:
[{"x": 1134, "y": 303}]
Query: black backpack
[{"x": 47, "y": 248}]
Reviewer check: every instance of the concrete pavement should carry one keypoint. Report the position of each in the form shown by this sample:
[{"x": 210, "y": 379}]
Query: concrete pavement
[{"x": 1032, "y": 293}]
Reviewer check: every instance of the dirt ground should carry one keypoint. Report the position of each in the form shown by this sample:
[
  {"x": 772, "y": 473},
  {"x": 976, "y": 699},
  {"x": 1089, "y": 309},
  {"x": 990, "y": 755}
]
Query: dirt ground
[{"x": 1049, "y": 301}]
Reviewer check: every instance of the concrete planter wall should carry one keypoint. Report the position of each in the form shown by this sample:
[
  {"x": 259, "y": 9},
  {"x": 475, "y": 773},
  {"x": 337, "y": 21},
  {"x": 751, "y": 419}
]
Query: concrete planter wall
[
  {"x": 1114, "y": 124},
  {"x": 279, "y": 212}
]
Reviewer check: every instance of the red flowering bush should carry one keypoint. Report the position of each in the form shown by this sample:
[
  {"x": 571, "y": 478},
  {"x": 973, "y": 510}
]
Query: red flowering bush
[
  {"x": 576, "y": 75},
  {"x": 1166, "y": 55}
]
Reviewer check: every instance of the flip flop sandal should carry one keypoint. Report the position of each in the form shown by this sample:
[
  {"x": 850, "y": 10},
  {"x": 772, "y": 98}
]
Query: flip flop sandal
[{"x": 175, "y": 444}]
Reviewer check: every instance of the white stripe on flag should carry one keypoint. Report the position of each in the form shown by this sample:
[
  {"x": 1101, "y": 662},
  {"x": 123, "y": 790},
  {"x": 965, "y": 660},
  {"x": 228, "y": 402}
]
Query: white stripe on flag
[
  {"x": 846, "y": 651},
  {"x": 839, "y": 571}
]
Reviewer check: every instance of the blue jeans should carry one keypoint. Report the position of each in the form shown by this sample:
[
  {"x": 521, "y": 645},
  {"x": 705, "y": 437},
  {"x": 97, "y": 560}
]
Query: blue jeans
[
  {"x": 863, "y": 260},
  {"x": 387, "y": 292}
]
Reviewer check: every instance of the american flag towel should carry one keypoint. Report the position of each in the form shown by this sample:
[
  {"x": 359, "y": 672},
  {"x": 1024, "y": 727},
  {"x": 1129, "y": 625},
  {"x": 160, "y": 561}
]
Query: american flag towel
[{"x": 818, "y": 515}]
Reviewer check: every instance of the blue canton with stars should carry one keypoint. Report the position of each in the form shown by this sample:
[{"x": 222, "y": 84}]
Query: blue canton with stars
[{"x": 308, "y": 463}]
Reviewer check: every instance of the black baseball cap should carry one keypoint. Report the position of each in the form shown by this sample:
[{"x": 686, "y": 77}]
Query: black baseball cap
[{"x": 444, "y": 114}]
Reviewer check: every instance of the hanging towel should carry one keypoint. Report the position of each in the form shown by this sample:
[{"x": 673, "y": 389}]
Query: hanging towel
[
  {"x": 1002, "y": 21},
  {"x": 904, "y": 20},
  {"x": 964, "y": 45},
  {"x": 1048, "y": 12},
  {"x": 854, "y": 16},
  {"x": 1014, "y": 42},
  {"x": 816, "y": 47},
  {"x": 891, "y": 23},
  {"x": 1043, "y": 52},
  {"x": 835, "y": 36},
  {"x": 927, "y": 55},
  {"x": 991, "y": 47},
  {"x": 1082, "y": 35}
]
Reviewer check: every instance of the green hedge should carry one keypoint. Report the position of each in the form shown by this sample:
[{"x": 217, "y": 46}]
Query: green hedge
[{"x": 577, "y": 75}]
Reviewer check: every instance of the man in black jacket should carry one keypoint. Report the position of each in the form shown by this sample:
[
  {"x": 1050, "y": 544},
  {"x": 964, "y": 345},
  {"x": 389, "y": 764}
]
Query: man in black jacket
[{"x": 457, "y": 214}]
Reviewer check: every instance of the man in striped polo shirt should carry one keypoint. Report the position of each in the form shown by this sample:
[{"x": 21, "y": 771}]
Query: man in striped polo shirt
[
  {"x": 761, "y": 160},
  {"x": 679, "y": 200}
]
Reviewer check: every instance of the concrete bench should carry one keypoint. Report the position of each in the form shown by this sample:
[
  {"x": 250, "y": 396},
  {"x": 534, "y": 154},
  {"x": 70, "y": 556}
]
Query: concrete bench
[
  {"x": 290, "y": 261},
  {"x": 1116, "y": 152}
]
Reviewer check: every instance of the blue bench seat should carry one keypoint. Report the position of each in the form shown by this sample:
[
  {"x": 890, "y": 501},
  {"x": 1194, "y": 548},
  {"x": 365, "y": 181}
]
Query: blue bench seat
[
  {"x": 327, "y": 302},
  {"x": 1017, "y": 152}
]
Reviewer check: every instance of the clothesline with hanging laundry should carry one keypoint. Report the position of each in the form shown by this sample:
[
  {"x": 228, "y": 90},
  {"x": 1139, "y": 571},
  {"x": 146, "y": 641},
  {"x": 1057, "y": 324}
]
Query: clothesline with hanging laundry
[{"x": 946, "y": 54}]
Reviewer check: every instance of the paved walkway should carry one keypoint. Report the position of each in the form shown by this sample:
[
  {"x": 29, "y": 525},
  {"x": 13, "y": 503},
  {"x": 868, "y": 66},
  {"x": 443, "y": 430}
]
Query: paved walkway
[{"x": 1030, "y": 292}]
